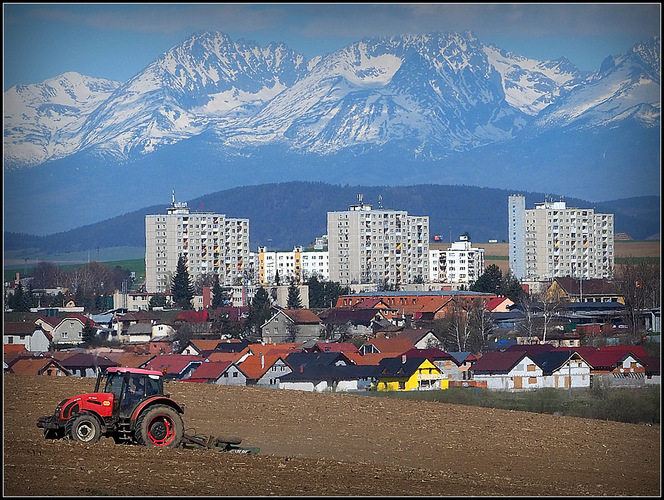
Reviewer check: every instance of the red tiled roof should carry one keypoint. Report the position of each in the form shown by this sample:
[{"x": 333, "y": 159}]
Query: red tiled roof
[
  {"x": 18, "y": 328},
  {"x": 495, "y": 302},
  {"x": 301, "y": 316},
  {"x": 193, "y": 316},
  {"x": 345, "y": 347},
  {"x": 255, "y": 369},
  {"x": 371, "y": 359},
  {"x": 211, "y": 370},
  {"x": 282, "y": 348},
  {"x": 36, "y": 366},
  {"x": 605, "y": 360},
  {"x": 204, "y": 344},
  {"x": 637, "y": 350},
  {"x": 13, "y": 348},
  {"x": 172, "y": 363},
  {"x": 225, "y": 356},
  {"x": 395, "y": 345},
  {"x": 498, "y": 361},
  {"x": 50, "y": 320}
]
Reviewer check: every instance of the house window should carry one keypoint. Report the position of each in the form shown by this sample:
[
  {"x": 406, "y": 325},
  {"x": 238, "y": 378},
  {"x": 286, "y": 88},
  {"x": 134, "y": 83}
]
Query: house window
[
  {"x": 226, "y": 375},
  {"x": 531, "y": 368},
  {"x": 234, "y": 374},
  {"x": 532, "y": 380},
  {"x": 402, "y": 384}
]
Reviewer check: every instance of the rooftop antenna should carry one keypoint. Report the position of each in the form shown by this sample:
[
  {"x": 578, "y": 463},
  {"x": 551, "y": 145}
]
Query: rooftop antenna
[
  {"x": 359, "y": 198},
  {"x": 173, "y": 196},
  {"x": 380, "y": 201}
]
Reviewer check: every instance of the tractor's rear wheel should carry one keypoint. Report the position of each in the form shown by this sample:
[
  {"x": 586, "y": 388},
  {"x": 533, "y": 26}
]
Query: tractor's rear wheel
[
  {"x": 159, "y": 426},
  {"x": 83, "y": 427}
]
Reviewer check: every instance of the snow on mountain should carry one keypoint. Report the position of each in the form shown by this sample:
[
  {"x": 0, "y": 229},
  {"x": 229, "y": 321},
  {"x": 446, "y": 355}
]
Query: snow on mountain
[
  {"x": 626, "y": 86},
  {"x": 439, "y": 91},
  {"x": 206, "y": 79},
  {"x": 41, "y": 119},
  {"x": 425, "y": 94},
  {"x": 531, "y": 85}
]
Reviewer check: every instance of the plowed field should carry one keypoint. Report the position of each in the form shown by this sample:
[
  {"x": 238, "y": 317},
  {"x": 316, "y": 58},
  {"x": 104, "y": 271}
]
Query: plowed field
[{"x": 330, "y": 444}]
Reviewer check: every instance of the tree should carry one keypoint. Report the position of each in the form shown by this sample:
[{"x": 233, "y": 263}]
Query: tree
[
  {"x": 157, "y": 300},
  {"x": 89, "y": 333},
  {"x": 219, "y": 298},
  {"x": 259, "y": 311},
  {"x": 511, "y": 288},
  {"x": 481, "y": 320},
  {"x": 638, "y": 281},
  {"x": 491, "y": 281},
  {"x": 21, "y": 300},
  {"x": 323, "y": 294},
  {"x": 294, "y": 299},
  {"x": 276, "y": 278},
  {"x": 181, "y": 286}
]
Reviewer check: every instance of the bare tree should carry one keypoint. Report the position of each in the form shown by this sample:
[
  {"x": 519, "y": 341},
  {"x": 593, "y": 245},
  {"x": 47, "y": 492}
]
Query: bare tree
[
  {"x": 638, "y": 281},
  {"x": 481, "y": 321},
  {"x": 459, "y": 328}
]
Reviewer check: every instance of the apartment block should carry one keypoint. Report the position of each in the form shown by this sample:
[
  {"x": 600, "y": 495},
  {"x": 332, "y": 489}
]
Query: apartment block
[
  {"x": 377, "y": 246},
  {"x": 553, "y": 240},
  {"x": 211, "y": 243},
  {"x": 461, "y": 263}
]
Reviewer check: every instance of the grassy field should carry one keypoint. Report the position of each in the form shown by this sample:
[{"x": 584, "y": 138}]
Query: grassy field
[{"x": 636, "y": 406}]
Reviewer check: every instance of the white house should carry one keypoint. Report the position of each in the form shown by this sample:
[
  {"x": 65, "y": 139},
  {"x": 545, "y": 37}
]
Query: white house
[
  {"x": 34, "y": 338},
  {"x": 507, "y": 371}
]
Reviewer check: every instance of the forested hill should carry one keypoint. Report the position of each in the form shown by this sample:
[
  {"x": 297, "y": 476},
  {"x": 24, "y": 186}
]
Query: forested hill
[{"x": 282, "y": 215}]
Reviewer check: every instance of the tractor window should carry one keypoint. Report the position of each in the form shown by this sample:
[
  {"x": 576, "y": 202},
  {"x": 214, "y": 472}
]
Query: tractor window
[
  {"x": 136, "y": 385},
  {"x": 153, "y": 386},
  {"x": 114, "y": 384}
]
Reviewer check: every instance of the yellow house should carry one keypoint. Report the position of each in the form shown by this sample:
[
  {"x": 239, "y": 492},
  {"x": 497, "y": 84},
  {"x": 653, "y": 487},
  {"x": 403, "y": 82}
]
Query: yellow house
[
  {"x": 409, "y": 374},
  {"x": 586, "y": 290}
]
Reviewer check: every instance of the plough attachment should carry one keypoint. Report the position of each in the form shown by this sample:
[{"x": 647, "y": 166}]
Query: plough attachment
[{"x": 222, "y": 443}]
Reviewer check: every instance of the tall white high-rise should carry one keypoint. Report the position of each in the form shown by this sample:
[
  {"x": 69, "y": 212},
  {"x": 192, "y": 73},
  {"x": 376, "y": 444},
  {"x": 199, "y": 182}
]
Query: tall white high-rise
[
  {"x": 211, "y": 243},
  {"x": 377, "y": 246},
  {"x": 553, "y": 240}
]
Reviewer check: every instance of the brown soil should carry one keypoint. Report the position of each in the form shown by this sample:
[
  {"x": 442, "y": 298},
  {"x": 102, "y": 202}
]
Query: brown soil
[{"x": 330, "y": 444}]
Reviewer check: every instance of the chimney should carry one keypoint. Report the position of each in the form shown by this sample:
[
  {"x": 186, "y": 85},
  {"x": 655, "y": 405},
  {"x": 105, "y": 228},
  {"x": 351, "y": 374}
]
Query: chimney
[
  {"x": 301, "y": 368},
  {"x": 403, "y": 359},
  {"x": 262, "y": 361}
]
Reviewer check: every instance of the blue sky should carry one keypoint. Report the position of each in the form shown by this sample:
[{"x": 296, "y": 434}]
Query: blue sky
[{"x": 116, "y": 41}]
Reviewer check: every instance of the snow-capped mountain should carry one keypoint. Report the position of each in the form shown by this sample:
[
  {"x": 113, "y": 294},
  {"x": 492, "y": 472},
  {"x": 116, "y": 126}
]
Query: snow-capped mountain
[
  {"x": 625, "y": 86},
  {"x": 442, "y": 108},
  {"x": 42, "y": 120},
  {"x": 431, "y": 94}
]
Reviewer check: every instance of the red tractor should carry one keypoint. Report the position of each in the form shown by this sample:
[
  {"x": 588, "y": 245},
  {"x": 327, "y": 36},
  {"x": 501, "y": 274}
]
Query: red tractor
[{"x": 128, "y": 404}]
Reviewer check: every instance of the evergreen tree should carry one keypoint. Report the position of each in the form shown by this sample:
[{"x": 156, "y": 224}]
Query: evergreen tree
[
  {"x": 259, "y": 311},
  {"x": 21, "y": 300},
  {"x": 491, "y": 281},
  {"x": 219, "y": 298},
  {"x": 157, "y": 300},
  {"x": 511, "y": 288},
  {"x": 89, "y": 333},
  {"x": 181, "y": 286},
  {"x": 294, "y": 299}
]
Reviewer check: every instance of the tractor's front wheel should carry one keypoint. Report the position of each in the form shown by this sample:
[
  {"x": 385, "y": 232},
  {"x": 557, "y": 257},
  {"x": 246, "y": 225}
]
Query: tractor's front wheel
[
  {"x": 159, "y": 426},
  {"x": 83, "y": 427}
]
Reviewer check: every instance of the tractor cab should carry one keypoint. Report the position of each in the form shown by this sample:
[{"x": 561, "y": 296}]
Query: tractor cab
[{"x": 129, "y": 386}]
